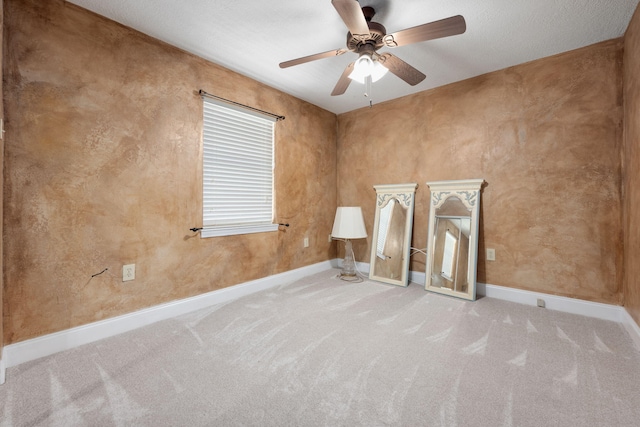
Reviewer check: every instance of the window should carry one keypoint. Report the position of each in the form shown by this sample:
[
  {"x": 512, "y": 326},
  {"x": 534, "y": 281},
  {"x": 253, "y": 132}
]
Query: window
[
  {"x": 237, "y": 174},
  {"x": 383, "y": 227},
  {"x": 450, "y": 247}
]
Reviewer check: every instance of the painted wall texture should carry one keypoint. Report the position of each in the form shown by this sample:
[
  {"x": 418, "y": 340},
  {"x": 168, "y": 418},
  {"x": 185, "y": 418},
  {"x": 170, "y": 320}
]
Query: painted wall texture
[
  {"x": 103, "y": 168},
  {"x": 1, "y": 175},
  {"x": 546, "y": 136},
  {"x": 631, "y": 169}
]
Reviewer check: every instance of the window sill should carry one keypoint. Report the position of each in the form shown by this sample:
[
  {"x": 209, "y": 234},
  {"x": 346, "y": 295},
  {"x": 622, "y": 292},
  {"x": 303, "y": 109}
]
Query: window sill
[{"x": 237, "y": 230}]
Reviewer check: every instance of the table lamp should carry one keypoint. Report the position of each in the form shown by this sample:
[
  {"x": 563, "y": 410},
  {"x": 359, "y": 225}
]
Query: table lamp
[{"x": 349, "y": 224}]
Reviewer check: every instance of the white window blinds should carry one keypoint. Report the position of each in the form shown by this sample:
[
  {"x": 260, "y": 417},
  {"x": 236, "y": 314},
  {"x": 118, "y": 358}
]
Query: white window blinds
[{"x": 237, "y": 170}]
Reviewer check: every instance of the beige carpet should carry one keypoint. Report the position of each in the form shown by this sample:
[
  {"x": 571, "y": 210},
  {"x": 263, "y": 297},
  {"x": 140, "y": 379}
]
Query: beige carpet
[{"x": 326, "y": 352}]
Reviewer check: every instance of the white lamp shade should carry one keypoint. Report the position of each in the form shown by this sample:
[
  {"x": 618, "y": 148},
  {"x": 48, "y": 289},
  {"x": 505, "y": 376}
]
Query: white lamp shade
[
  {"x": 376, "y": 70},
  {"x": 349, "y": 223}
]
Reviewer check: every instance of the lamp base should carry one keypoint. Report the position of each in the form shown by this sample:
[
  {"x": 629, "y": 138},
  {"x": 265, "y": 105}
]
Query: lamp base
[{"x": 348, "y": 264}]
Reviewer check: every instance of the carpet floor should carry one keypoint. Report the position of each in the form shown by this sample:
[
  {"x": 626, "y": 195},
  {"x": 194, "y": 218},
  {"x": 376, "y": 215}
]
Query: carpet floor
[{"x": 324, "y": 352}]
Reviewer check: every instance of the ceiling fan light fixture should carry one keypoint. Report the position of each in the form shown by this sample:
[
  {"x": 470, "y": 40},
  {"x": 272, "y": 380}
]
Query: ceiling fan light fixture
[
  {"x": 365, "y": 37},
  {"x": 366, "y": 66}
]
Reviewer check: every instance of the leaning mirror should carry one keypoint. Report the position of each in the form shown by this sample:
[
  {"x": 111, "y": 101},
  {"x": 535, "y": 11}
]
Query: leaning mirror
[
  {"x": 392, "y": 233},
  {"x": 452, "y": 243}
]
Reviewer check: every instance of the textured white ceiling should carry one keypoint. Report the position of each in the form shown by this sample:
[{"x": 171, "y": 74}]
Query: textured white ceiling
[{"x": 253, "y": 36}]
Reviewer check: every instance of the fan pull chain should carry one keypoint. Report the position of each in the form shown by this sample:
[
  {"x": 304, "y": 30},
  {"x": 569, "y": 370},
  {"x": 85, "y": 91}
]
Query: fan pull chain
[{"x": 368, "y": 88}]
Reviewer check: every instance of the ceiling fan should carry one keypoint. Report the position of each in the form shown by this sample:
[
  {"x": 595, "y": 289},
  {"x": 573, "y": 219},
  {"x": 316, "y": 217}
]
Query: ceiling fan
[{"x": 365, "y": 37}]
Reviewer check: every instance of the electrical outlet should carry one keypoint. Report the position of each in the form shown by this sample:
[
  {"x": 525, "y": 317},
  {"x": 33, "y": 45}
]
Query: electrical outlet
[
  {"x": 491, "y": 254},
  {"x": 306, "y": 242},
  {"x": 128, "y": 272}
]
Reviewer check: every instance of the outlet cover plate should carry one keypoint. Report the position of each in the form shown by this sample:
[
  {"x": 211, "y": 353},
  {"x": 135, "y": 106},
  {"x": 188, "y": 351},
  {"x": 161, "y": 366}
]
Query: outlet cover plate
[{"x": 128, "y": 272}]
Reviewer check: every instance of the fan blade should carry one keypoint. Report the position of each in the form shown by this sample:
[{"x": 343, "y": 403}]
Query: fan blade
[
  {"x": 343, "y": 82},
  {"x": 351, "y": 14},
  {"x": 310, "y": 58},
  {"x": 401, "y": 69},
  {"x": 433, "y": 30}
]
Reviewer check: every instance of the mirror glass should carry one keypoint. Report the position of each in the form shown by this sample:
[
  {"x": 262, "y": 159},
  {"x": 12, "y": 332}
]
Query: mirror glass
[
  {"x": 453, "y": 236},
  {"x": 451, "y": 253},
  {"x": 392, "y": 233}
]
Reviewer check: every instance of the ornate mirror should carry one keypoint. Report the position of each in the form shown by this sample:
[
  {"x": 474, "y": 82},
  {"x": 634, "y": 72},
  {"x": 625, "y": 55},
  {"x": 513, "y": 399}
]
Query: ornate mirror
[
  {"x": 452, "y": 243},
  {"x": 392, "y": 233}
]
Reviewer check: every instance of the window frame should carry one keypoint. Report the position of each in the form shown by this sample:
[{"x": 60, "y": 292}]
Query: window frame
[{"x": 209, "y": 127}]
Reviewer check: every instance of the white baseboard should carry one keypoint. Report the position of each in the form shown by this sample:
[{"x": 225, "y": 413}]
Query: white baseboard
[
  {"x": 25, "y": 351},
  {"x": 418, "y": 277},
  {"x": 632, "y": 327},
  {"x": 610, "y": 312},
  {"x": 598, "y": 310},
  {"x": 552, "y": 302},
  {"x": 362, "y": 267}
]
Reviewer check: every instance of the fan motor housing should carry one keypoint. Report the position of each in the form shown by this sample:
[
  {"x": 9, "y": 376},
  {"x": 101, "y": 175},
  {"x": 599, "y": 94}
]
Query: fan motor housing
[{"x": 376, "y": 34}]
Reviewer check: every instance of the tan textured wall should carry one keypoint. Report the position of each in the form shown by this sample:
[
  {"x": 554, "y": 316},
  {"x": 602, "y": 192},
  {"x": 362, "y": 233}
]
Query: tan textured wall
[
  {"x": 546, "y": 136},
  {"x": 1, "y": 183},
  {"x": 631, "y": 168},
  {"x": 103, "y": 168}
]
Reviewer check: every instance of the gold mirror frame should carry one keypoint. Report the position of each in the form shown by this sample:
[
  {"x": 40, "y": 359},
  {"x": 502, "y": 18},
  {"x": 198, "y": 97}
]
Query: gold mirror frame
[
  {"x": 390, "y": 264},
  {"x": 459, "y": 194}
]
